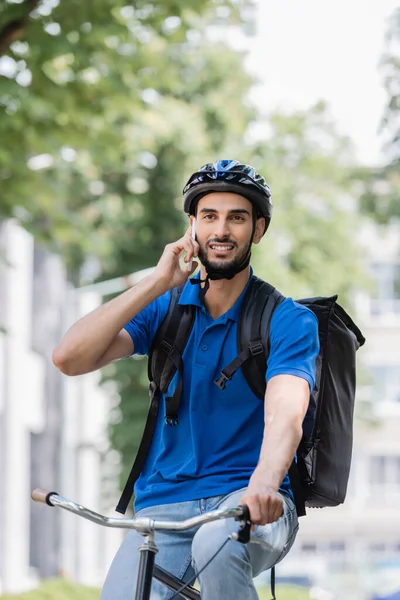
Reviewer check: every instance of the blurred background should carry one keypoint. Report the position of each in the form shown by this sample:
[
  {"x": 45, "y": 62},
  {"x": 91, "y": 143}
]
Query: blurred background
[{"x": 106, "y": 107}]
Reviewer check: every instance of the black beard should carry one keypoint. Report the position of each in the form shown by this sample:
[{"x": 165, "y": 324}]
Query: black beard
[{"x": 222, "y": 267}]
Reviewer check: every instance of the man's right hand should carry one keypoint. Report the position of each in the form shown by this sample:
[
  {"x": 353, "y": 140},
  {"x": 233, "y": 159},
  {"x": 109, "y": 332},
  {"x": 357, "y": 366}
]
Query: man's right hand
[
  {"x": 99, "y": 338},
  {"x": 169, "y": 269}
]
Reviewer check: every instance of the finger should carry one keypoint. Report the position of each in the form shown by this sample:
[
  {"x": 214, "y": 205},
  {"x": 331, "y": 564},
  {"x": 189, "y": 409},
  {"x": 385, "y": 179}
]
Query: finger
[
  {"x": 189, "y": 254},
  {"x": 191, "y": 269},
  {"x": 272, "y": 509},
  {"x": 255, "y": 509},
  {"x": 191, "y": 248},
  {"x": 189, "y": 233},
  {"x": 186, "y": 246},
  {"x": 244, "y": 502},
  {"x": 193, "y": 241},
  {"x": 278, "y": 510}
]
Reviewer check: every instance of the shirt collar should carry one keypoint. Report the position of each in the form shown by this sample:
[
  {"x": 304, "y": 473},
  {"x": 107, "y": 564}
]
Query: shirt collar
[{"x": 190, "y": 296}]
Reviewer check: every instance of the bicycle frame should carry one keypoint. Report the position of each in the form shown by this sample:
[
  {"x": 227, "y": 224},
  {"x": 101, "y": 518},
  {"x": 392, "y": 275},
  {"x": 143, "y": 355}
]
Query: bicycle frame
[
  {"x": 174, "y": 584},
  {"x": 147, "y": 527},
  {"x": 148, "y": 569}
]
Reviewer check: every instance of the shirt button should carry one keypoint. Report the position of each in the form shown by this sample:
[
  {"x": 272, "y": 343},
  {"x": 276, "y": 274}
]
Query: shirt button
[{"x": 204, "y": 347}]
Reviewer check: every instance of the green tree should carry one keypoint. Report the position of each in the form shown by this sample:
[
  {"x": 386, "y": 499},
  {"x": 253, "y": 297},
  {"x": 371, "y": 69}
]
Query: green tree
[
  {"x": 80, "y": 83},
  {"x": 390, "y": 66},
  {"x": 181, "y": 145},
  {"x": 381, "y": 186},
  {"x": 311, "y": 247}
]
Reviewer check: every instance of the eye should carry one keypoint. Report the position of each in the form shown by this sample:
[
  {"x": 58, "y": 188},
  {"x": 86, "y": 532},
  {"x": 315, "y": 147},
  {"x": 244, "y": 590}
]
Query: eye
[
  {"x": 209, "y": 216},
  {"x": 237, "y": 218}
]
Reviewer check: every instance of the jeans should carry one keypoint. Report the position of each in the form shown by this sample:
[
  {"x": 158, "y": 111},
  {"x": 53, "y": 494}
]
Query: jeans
[{"x": 228, "y": 577}]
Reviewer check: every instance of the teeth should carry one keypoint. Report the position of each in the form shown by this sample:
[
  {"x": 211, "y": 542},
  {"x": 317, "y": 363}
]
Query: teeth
[{"x": 221, "y": 247}]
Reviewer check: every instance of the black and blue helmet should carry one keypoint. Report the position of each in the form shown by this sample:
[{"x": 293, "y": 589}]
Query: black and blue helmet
[{"x": 229, "y": 176}]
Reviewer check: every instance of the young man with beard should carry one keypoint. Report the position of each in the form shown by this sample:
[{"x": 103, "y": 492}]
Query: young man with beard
[{"x": 228, "y": 447}]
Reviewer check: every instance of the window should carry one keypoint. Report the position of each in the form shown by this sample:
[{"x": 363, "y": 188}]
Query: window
[
  {"x": 386, "y": 296},
  {"x": 384, "y": 477},
  {"x": 396, "y": 282},
  {"x": 309, "y": 547},
  {"x": 386, "y": 382},
  {"x": 378, "y": 548},
  {"x": 337, "y": 547}
]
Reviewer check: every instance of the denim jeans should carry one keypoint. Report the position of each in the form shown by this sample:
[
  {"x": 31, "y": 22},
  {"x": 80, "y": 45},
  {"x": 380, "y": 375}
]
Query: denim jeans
[{"x": 228, "y": 577}]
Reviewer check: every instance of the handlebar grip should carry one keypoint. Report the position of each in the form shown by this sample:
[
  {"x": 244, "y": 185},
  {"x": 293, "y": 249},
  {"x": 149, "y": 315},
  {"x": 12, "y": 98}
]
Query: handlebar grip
[
  {"x": 39, "y": 495},
  {"x": 243, "y": 535},
  {"x": 246, "y": 512}
]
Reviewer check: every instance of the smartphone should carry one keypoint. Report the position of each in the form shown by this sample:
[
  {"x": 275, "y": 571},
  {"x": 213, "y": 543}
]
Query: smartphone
[{"x": 193, "y": 238}]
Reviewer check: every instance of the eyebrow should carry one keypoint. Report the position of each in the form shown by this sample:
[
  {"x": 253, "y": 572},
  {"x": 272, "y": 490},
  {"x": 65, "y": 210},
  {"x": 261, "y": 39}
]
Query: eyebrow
[{"x": 233, "y": 211}]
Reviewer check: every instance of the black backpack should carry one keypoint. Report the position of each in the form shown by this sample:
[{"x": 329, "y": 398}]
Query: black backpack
[{"x": 319, "y": 476}]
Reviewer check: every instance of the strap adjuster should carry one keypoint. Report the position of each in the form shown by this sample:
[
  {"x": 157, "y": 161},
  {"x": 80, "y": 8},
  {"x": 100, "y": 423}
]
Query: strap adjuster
[
  {"x": 256, "y": 348},
  {"x": 171, "y": 421},
  {"x": 166, "y": 346},
  {"x": 153, "y": 388},
  {"x": 221, "y": 381}
]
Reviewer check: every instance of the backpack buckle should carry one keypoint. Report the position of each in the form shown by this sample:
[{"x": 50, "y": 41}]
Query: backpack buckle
[
  {"x": 221, "y": 381},
  {"x": 256, "y": 348},
  {"x": 171, "y": 421}
]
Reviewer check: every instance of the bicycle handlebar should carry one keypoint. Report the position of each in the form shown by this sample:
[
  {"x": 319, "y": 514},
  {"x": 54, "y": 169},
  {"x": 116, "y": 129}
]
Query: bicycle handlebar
[
  {"x": 39, "y": 495},
  {"x": 139, "y": 524}
]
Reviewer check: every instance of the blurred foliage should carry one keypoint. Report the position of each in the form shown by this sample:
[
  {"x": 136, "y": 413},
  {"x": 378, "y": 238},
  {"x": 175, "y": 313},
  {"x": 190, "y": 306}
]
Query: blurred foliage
[
  {"x": 380, "y": 187},
  {"x": 60, "y": 589},
  {"x": 285, "y": 592},
  {"x": 380, "y": 192},
  {"x": 391, "y": 73},
  {"x": 93, "y": 91},
  {"x": 106, "y": 110},
  {"x": 311, "y": 248},
  {"x": 56, "y": 589}
]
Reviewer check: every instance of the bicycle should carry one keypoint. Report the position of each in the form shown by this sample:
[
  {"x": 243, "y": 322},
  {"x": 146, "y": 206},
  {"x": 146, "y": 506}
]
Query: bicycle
[{"x": 147, "y": 528}]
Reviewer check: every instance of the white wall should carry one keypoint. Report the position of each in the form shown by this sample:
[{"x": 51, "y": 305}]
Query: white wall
[{"x": 37, "y": 404}]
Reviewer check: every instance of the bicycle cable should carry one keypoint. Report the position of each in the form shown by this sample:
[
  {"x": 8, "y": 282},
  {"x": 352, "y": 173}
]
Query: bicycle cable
[{"x": 177, "y": 593}]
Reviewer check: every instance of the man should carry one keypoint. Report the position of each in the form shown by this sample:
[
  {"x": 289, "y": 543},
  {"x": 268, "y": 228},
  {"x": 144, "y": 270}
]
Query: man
[{"x": 227, "y": 448}]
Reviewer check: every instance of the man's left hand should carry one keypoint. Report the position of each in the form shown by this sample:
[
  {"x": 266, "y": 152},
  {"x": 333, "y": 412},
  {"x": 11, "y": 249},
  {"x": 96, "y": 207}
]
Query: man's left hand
[{"x": 264, "y": 502}]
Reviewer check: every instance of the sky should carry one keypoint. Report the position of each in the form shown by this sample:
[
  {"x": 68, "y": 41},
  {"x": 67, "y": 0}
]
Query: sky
[{"x": 308, "y": 50}]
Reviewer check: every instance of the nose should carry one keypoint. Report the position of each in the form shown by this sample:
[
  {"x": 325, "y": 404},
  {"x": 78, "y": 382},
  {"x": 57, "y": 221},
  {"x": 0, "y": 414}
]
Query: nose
[{"x": 222, "y": 229}]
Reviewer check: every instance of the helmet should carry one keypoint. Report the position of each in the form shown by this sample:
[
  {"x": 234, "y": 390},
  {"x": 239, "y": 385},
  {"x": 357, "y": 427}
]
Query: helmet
[{"x": 229, "y": 176}]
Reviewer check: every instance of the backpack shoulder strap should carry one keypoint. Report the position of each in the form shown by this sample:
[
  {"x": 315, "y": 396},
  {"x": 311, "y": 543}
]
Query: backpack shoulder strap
[
  {"x": 258, "y": 305},
  {"x": 253, "y": 331},
  {"x": 254, "y": 326},
  {"x": 165, "y": 358}
]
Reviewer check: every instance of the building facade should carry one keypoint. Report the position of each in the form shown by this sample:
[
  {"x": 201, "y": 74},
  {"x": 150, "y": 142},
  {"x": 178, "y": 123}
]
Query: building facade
[
  {"x": 52, "y": 428},
  {"x": 353, "y": 551}
]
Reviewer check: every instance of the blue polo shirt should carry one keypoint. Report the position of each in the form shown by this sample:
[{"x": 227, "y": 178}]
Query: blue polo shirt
[{"x": 216, "y": 445}]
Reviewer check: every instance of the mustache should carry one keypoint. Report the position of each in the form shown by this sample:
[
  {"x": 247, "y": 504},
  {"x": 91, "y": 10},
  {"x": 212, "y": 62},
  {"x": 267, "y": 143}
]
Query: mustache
[{"x": 222, "y": 241}]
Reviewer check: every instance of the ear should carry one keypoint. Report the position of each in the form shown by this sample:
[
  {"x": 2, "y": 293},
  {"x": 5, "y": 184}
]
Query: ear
[
  {"x": 191, "y": 218},
  {"x": 259, "y": 231}
]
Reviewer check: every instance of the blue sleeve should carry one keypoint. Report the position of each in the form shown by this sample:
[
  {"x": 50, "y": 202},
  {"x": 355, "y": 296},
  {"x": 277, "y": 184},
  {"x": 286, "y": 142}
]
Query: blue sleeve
[
  {"x": 294, "y": 342},
  {"x": 144, "y": 326}
]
